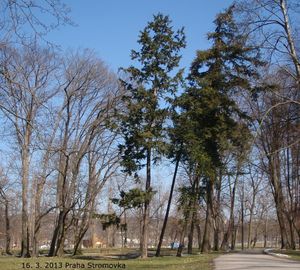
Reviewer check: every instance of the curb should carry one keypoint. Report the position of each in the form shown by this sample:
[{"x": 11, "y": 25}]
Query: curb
[{"x": 268, "y": 251}]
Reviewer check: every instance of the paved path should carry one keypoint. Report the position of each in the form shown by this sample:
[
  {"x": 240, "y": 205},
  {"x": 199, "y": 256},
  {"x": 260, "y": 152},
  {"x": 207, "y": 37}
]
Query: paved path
[{"x": 239, "y": 261}]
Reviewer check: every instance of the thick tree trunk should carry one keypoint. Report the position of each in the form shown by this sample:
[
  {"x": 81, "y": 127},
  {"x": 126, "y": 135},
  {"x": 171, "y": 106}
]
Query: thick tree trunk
[
  {"x": 168, "y": 208},
  {"x": 234, "y": 233},
  {"x": 58, "y": 234},
  {"x": 216, "y": 237},
  {"x": 206, "y": 246},
  {"x": 279, "y": 199},
  {"x": 35, "y": 239},
  {"x": 25, "y": 179},
  {"x": 61, "y": 243},
  {"x": 292, "y": 234}
]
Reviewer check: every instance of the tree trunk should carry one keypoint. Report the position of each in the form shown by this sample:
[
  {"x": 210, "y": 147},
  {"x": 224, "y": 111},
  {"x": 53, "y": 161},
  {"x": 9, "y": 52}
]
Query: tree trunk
[
  {"x": 216, "y": 237},
  {"x": 57, "y": 234},
  {"x": 266, "y": 233},
  {"x": 61, "y": 242},
  {"x": 292, "y": 234},
  {"x": 199, "y": 235},
  {"x": 292, "y": 48},
  {"x": 125, "y": 229},
  {"x": 78, "y": 240},
  {"x": 25, "y": 179},
  {"x": 193, "y": 215},
  {"x": 7, "y": 229},
  {"x": 279, "y": 199},
  {"x": 146, "y": 214},
  {"x": 242, "y": 215},
  {"x": 250, "y": 221},
  {"x": 168, "y": 209},
  {"x": 206, "y": 246},
  {"x": 181, "y": 240},
  {"x": 191, "y": 234},
  {"x": 207, "y": 231},
  {"x": 229, "y": 231},
  {"x": 217, "y": 212},
  {"x": 188, "y": 214},
  {"x": 37, "y": 219}
]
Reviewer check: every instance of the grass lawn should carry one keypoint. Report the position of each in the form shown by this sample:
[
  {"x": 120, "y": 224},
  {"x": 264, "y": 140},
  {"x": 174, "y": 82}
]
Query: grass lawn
[{"x": 193, "y": 262}]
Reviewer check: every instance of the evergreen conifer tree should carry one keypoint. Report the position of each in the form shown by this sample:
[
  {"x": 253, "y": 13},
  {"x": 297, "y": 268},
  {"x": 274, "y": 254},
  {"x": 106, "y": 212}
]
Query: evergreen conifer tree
[
  {"x": 210, "y": 116},
  {"x": 149, "y": 85}
]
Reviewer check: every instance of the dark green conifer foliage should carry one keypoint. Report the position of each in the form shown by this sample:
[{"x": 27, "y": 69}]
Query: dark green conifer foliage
[
  {"x": 149, "y": 86},
  {"x": 211, "y": 118}
]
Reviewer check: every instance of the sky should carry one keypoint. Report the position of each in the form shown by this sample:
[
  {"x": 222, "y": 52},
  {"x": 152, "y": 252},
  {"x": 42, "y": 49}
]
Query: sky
[{"x": 111, "y": 27}]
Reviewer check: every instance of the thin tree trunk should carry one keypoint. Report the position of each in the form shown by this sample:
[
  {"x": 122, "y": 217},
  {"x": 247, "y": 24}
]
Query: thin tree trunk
[
  {"x": 266, "y": 233},
  {"x": 217, "y": 212},
  {"x": 191, "y": 234},
  {"x": 187, "y": 218},
  {"x": 250, "y": 221},
  {"x": 229, "y": 231},
  {"x": 287, "y": 28},
  {"x": 242, "y": 215},
  {"x": 168, "y": 209},
  {"x": 78, "y": 241},
  {"x": 199, "y": 235},
  {"x": 206, "y": 246},
  {"x": 125, "y": 229},
  {"x": 146, "y": 214},
  {"x": 193, "y": 215},
  {"x": 7, "y": 229}
]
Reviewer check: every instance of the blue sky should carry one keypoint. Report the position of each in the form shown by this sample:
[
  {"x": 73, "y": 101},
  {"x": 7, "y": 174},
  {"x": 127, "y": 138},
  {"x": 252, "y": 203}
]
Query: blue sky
[{"x": 111, "y": 27}]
